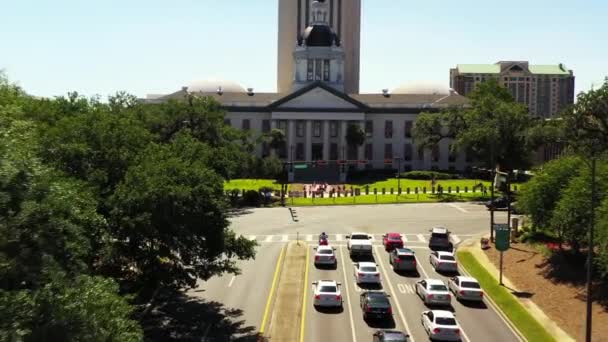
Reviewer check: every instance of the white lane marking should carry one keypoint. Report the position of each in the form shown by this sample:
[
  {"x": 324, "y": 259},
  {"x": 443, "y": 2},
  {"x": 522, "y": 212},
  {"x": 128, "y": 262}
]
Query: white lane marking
[
  {"x": 268, "y": 238},
  {"x": 390, "y": 286},
  {"x": 406, "y": 288},
  {"x": 350, "y": 309},
  {"x": 456, "y": 239},
  {"x": 403, "y": 238},
  {"x": 285, "y": 238},
  {"x": 231, "y": 281},
  {"x": 458, "y": 207},
  {"x": 422, "y": 267},
  {"x": 251, "y": 237},
  {"x": 338, "y": 237},
  {"x": 421, "y": 238},
  {"x": 309, "y": 237}
]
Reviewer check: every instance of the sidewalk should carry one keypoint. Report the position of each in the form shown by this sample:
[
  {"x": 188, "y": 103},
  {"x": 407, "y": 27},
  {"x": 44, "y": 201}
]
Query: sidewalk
[{"x": 473, "y": 246}]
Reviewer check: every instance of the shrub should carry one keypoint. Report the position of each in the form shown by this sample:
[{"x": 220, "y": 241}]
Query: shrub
[
  {"x": 428, "y": 175},
  {"x": 251, "y": 198}
]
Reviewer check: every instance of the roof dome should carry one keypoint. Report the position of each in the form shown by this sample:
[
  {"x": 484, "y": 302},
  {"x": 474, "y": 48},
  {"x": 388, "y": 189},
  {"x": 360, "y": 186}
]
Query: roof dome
[
  {"x": 213, "y": 85},
  {"x": 423, "y": 88},
  {"x": 319, "y": 35}
]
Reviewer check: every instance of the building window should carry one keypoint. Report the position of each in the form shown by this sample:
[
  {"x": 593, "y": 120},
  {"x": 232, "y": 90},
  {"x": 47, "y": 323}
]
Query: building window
[
  {"x": 369, "y": 152},
  {"x": 388, "y": 151},
  {"x": 333, "y": 129},
  {"x": 283, "y": 125},
  {"x": 326, "y": 70},
  {"x": 299, "y": 129},
  {"x": 435, "y": 153},
  {"x": 333, "y": 151},
  {"x": 420, "y": 153},
  {"x": 316, "y": 128},
  {"x": 451, "y": 155},
  {"x": 369, "y": 128},
  {"x": 265, "y": 126},
  {"x": 310, "y": 70},
  {"x": 408, "y": 129},
  {"x": 227, "y": 122},
  {"x": 300, "y": 151},
  {"x": 388, "y": 129},
  {"x": 318, "y": 69},
  {"x": 246, "y": 124},
  {"x": 407, "y": 152}
]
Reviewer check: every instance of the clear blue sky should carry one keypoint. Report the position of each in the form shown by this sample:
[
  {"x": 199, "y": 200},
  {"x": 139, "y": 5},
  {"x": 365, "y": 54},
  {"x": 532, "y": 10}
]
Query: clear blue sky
[{"x": 153, "y": 46}]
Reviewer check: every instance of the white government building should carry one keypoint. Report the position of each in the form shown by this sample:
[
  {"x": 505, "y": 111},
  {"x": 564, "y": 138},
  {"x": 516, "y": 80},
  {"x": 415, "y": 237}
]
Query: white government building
[{"x": 316, "y": 111}]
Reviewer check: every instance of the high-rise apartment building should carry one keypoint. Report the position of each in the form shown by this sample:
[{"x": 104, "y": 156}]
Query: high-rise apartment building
[
  {"x": 344, "y": 19},
  {"x": 545, "y": 89}
]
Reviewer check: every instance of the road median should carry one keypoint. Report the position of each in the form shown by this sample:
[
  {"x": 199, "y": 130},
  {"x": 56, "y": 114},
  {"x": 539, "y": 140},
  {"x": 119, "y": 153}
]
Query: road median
[{"x": 288, "y": 311}]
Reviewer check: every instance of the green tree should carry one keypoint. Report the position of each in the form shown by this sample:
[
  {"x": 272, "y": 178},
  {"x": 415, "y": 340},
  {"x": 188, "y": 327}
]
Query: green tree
[
  {"x": 355, "y": 137},
  {"x": 276, "y": 139},
  {"x": 493, "y": 126}
]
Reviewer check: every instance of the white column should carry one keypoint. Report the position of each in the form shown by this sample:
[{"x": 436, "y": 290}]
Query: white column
[
  {"x": 325, "y": 139},
  {"x": 308, "y": 143},
  {"x": 343, "y": 152},
  {"x": 291, "y": 148}
]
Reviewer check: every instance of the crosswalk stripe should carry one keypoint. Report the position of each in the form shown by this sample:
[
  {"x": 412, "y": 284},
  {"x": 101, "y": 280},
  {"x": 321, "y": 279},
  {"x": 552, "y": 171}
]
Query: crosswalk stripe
[
  {"x": 372, "y": 237},
  {"x": 285, "y": 238},
  {"x": 403, "y": 238},
  {"x": 309, "y": 237},
  {"x": 251, "y": 237},
  {"x": 338, "y": 237},
  {"x": 456, "y": 239},
  {"x": 421, "y": 238},
  {"x": 268, "y": 238}
]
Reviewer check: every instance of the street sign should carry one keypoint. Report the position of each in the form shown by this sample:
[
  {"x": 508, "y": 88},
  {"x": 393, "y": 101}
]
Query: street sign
[
  {"x": 503, "y": 236},
  {"x": 300, "y": 166}
]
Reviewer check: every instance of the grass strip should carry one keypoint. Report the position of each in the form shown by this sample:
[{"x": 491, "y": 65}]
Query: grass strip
[
  {"x": 508, "y": 304},
  {"x": 383, "y": 199}
]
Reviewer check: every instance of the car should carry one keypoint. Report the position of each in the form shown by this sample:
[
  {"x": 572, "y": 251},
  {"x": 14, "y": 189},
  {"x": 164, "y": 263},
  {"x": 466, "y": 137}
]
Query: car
[
  {"x": 466, "y": 288},
  {"x": 366, "y": 272},
  {"x": 441, "y": 325},
  {"x": 359, "y": 244},
  {"x": 324, "y": 255},
  {"x": 392, "y": 241},
  {"x": 443, "y": 261},
  {"x": 440, "y": 238},
  {"x": 375, "y": 304},
  {"x": 402, "y": 259},
  {"x": 433, "y": 291},
  {"x": 390, "y": 336},
  {"x": 327, "y": 294},
  {"x": 499, "y": 203}
]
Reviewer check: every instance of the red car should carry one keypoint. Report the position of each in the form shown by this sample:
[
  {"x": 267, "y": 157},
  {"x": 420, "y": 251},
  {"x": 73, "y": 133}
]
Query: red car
[{"x": 392, "y": 241}]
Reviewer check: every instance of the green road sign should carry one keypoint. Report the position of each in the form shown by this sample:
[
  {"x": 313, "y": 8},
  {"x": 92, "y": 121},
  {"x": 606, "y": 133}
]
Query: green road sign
[
  {"x": 503, "y": 237},
  {"x": 300, "y": 166}
]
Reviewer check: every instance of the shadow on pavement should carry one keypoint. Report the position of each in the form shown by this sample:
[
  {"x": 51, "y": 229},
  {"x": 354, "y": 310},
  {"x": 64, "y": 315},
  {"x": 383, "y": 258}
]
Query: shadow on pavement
[
  {"x": 329, "y": 310},
  {"x": 474, "y": 304},
  {"x": 327, "y": 266},
  {"x": 234, "y": 212},
  {"x": 178, "y": 317},
  {"x": 370, "y": 286},
  {"x": 381, "y": 323},
  {"x": 409, "y": 274}
]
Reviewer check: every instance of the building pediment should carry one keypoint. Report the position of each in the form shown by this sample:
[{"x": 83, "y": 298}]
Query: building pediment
[{"x": 317, "y": 96}]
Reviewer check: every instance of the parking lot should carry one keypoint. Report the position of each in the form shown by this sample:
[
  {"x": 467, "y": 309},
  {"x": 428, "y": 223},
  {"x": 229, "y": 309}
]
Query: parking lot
[{"x": 273, "y": 228}]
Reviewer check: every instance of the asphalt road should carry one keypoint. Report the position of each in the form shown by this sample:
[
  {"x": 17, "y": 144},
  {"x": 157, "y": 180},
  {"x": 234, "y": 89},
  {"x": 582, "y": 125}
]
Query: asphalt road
[{"x": 272, "y": 228}]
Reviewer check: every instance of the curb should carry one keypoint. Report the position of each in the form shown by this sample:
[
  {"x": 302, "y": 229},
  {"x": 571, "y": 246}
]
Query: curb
[{"x": 473, "y": 246}]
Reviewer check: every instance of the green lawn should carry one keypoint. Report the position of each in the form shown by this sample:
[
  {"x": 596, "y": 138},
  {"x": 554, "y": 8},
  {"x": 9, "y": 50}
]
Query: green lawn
[
  {"x": 251, "y": 184},
  {"x": 524, "y": 322}
]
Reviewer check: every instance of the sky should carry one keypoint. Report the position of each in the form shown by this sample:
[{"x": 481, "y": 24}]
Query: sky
[{"x": 153, "y": 46}]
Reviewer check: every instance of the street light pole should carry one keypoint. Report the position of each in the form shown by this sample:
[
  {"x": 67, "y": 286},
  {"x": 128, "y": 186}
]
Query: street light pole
[{"x": 590, "y": 255}]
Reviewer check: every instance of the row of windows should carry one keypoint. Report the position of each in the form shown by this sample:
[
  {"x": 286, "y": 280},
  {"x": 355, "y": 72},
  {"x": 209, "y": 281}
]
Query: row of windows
[
  {"x": 317, "y": 70},
  {"x": 408, "y": 153},
  {"x": 388, "y": 128}
]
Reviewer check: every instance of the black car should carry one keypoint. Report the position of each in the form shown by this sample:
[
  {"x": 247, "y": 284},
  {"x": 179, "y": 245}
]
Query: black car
[
  {"x": 499, "y": 203},
  {"x": 440, "y": 239},
  {"x": 375, "y": 304},
  {"x": 390, "y": 336}
]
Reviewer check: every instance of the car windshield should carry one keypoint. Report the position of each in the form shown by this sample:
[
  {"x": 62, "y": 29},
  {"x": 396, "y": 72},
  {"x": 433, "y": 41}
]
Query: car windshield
[
  {"x": 438, "y": 288},
  {"x": 368, "y": 269},
  {"x": 407, "y": 257},
  {"x": 326, "y": 251},
  {"x": 394, "y": 337},
  {"x": 395, "y": 238},
  {"x": 445, "y": 321},
  {"x": 328, "y": 288},
  {"x": 446, "y": 257},
  {"x": 439, "y": 236},
  {"x": 358, "y": 237},
  {"x": 469, "y": 285}
]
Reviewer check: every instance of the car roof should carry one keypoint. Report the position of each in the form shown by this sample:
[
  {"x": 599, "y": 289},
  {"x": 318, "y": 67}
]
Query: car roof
[
  {"x": 359, "y": 233},
  {"x": 394, "y": 333},
  {"x": 325, "y": 247},
  {"x": 393, "y": 234},
  {"x": 404, "y": 251},
  {"x": 443, "y": 313},
  {"x": 434, "y": 281},
  {"x": 440, "y": 230},
  {"x": 445, "y": 253},
  {"x": 467, "y": 279},
  {"x": 376, "y": 294},
  {"x": 367, "y": 263}
]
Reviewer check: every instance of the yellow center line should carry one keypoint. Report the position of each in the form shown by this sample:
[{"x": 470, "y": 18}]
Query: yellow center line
[
  {"x": 303, "y": 321},
  {"x": 272, "y": 288}
]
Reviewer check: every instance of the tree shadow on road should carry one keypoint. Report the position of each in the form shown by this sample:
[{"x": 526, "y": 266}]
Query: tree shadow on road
[{"x": 179, "y": 317}]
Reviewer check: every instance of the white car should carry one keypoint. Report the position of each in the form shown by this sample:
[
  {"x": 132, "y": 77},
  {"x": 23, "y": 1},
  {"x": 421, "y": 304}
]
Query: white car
[
  {"x": 433, "y": 291},
  {"x": 325, "y": 255},
  {"x": 443, "y": 261},
  {"x": 366, "y": 272},
  {"x": 327, "y": 293},
  {"x": 359, "y": 244},
  {"x": 466, "y": 288},
  {"x": 441, "y": 325}
]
